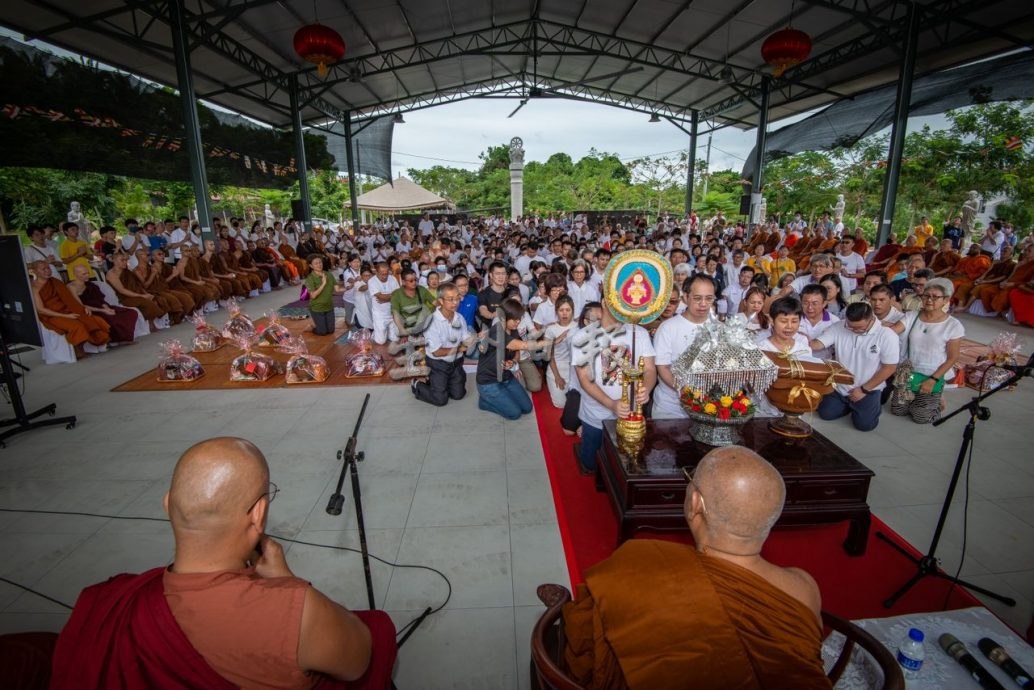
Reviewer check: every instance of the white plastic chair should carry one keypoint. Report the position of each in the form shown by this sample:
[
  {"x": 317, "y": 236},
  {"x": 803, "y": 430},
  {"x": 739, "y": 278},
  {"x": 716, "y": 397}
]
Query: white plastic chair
[{"x": 56, "y": 350}]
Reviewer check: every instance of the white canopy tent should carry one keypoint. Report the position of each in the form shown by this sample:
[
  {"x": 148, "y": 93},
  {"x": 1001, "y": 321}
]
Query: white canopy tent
[{"x": 401, "y": 194}]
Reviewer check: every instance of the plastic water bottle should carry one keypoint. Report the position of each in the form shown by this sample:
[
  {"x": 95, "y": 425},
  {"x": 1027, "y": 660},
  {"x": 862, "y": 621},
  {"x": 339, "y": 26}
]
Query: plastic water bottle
[{"x": 911, "y": 653}]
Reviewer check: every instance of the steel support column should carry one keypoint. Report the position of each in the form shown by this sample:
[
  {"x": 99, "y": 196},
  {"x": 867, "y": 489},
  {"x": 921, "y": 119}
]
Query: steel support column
[
  {"x": 299, "y": 155},
  {"x": 351, "y": 172},
  {"x": 898, "y": 128},
  {"x": 691, "y": 161},
  {"x": 759, "y": 151},
  {"x": 191, "y": 124}
]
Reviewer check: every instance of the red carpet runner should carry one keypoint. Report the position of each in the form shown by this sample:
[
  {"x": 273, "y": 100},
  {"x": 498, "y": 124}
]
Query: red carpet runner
[{"x": 851, "y": 587}]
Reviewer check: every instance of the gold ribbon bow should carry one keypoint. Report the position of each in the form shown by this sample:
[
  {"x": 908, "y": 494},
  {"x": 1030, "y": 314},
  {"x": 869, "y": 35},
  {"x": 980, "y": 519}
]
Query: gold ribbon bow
[
  {"x": 811, "y": 395},
  {"x": 796, "y": 368},
  {"x": 835, "y": 369}
]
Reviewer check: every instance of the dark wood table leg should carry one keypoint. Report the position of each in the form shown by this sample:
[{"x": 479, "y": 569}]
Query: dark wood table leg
[{"x": 858, "y": 533}]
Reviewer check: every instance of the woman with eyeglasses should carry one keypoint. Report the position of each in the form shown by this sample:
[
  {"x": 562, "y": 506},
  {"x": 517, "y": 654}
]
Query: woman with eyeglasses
[{"x": 931, "y": 343}]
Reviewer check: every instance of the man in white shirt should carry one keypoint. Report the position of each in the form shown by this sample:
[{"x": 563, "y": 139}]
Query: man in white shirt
[
  {"x": 673, "y": 337},
  {"x": 733, "y": 294},
  {"x": 380, "y": 287},
  {"x": 816, "y": 319},
  {"x": 602, "y": 259},
  {"x": 448, "y": 338},
  {"x": 870, "y": 351},
  {"x": 993, "y": 239},
  {"x": 426, "y": 226},
  {"x": 595, "y": 354},
  {"x": 39, "y": 250},
  {"x": 179, "y": 238},
  {"x": 732, "y": 269},
  {"x": 852, "y": 265}
]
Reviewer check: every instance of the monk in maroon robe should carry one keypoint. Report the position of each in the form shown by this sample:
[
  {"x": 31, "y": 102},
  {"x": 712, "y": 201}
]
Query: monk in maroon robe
[{"x": 228, "y": 612}]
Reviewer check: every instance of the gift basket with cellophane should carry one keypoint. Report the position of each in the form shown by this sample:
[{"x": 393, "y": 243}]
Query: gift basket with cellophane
[
  {"x": 176, "y": 365},
  {"x": 303, "y": 367},
  {"x": 250, "y": 365},
  {"x": 365, "y": 362},
  {"x": 206, "y": 338},
  {"x": 273, "y": 333},
  {"x": 238, "y": 324}
]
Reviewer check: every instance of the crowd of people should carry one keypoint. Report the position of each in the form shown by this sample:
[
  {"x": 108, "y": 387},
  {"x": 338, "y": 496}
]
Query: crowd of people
[{"x": 524, "y": 301}]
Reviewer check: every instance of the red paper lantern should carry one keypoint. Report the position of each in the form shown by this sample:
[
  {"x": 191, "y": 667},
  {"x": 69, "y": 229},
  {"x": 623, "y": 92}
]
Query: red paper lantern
[
  {"x": 786, "y": 48},
  {"x": 319, "y": 45}
]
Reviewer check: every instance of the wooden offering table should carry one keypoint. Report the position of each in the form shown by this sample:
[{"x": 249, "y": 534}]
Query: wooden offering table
[{"x": 823, "y": 483}]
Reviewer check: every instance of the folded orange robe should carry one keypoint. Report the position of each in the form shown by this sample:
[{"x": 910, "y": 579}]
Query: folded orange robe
[{"x": 657, "y": 615}]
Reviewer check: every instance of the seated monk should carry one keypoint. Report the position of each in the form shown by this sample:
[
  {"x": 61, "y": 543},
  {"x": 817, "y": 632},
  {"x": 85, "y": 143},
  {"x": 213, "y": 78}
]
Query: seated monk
[
  {"x": 121, "y": 319},
  {"x": 180, "y": 303},
  {"x": 1021, "y": 301},
  {"x": 239, "y": 286},
  {"x": 287, "y": 268},
  {"x": 967, "y": 271},
  {"x": 246, "y": 262},
  {"x": 250, "y": 279},
  {"x": 131, "y": 291},
  {"x": 861, "y": 246},
  {"x": 175, "y": 276},
  {"x": 659, "y": 615},
  {"x": 944, "y": 260},
  {"x": 885, "y": 254},
  {"x": 773, "y": 240},
  {"x": 995, "y": 296},
  {"x": 192, "y": 275},
  {"x": 265, "y": 260},
  {"x": 988, "y": 282},
  {"x": 287, "y": 251},
  {"x": 59, "y": 311},
  {"x": 760, "y": 237},
  {"x": 228, "y": 612}
]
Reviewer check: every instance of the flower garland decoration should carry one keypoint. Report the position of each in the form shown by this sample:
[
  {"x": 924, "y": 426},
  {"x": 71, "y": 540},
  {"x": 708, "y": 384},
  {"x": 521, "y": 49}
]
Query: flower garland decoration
[{"x": 717, "y": 403}]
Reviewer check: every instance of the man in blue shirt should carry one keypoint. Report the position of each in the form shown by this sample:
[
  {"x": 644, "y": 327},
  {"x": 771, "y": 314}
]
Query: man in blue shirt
[{"x": 468, "y": 303}]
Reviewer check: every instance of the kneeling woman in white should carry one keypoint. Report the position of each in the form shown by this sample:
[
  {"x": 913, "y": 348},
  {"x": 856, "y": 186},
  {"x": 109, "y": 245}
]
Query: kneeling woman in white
[
  {"x": 785, "y": 314},
  {"x": 558, "y": 373}
]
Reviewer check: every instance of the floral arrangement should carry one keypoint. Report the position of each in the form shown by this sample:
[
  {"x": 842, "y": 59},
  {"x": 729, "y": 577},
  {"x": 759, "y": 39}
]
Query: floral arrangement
[{"x": 717, "y": 403}]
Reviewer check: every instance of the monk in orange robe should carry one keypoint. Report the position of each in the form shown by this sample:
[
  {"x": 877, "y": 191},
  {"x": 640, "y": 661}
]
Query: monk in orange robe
[
  {"x": 995, "y": 296},
  {"x": 59, "y": 311},
  {"x": 945, "y": 259},
  {"x": 967, "y": 271},
  {"x": 1021, "y": 301},
  {"x": 753, "y": 624},
  {"x": 249, "y": 278},
  {"x": 861, "y": 246}
]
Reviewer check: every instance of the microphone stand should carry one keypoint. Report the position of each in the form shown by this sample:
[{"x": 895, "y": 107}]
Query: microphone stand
[
  {"x": 927, "y": 565},
  {"x": 351, "y": 458},
  {"x": 22, "y": 420}
]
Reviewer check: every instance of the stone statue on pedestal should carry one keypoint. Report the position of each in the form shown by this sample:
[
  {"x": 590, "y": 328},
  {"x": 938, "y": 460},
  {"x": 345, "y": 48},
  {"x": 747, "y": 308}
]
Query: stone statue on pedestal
[
  {"x": 970, "y": 209},
  {"x": 268, "y": 215},
  {"x": 838, "y": 210},
  {"x": 763, "y": 211},
  {"x": 516, "y": 178},
  {"x": 75, "y": 215}
]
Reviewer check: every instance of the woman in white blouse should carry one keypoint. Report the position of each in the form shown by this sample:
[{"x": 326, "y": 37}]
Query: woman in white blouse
[
  {"x": 558, "y": 373},
  {"x": 932, "y": 342}
]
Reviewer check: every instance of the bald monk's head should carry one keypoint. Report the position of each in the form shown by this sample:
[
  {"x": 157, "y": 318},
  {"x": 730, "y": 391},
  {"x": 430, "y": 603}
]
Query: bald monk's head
[
  {"x": 217, "y": 493},
  {"x": 737, "y": 495}
]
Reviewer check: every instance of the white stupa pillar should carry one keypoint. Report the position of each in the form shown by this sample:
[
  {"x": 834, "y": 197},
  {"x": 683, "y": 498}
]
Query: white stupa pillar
[{"x": 516, "y": 178}]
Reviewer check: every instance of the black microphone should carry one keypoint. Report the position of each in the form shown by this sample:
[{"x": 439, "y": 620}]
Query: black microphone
[
  {"x": 957, "y": 651},
  {"x": 997, "y": 654}
]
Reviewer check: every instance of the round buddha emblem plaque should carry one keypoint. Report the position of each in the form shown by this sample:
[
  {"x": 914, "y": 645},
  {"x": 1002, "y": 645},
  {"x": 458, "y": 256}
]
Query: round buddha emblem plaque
[{"x": 638, "y": 285}]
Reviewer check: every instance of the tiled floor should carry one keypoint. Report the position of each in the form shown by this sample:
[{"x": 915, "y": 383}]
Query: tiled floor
[{"x": 456, "y": 489}]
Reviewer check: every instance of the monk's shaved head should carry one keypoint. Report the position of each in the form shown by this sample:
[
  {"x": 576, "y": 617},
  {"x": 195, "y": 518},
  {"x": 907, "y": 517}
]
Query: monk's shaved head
[
  {"x": 215, "y": 483},
  {"x": 743, "y": 494}
]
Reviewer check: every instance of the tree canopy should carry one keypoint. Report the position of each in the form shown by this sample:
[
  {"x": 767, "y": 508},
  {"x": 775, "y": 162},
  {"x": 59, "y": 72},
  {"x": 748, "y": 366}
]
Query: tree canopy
[{"x": 988, "y": 148}]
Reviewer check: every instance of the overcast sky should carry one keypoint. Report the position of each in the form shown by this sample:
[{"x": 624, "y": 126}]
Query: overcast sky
[{"x": 454, "y": 134}]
